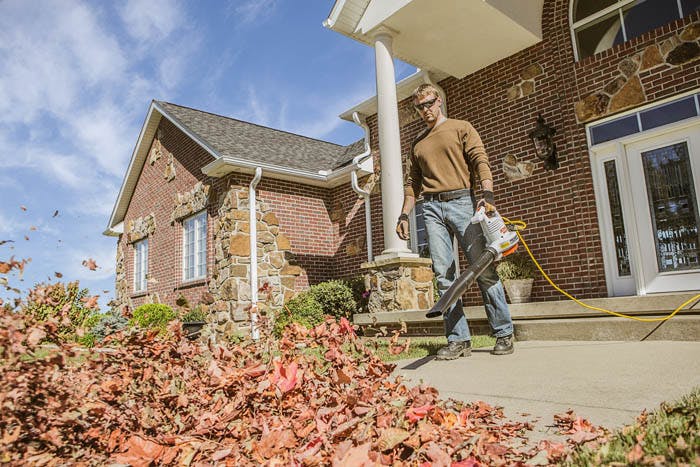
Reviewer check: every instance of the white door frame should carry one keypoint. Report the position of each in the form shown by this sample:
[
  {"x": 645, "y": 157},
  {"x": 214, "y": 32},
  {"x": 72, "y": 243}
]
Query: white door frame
[{"x": 641, "y": 281}]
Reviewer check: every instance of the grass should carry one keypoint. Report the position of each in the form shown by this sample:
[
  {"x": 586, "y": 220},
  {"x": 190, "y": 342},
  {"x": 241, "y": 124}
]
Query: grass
[
  {"x": 420, "y": 346},
  {"x": 668, "y": 436}
]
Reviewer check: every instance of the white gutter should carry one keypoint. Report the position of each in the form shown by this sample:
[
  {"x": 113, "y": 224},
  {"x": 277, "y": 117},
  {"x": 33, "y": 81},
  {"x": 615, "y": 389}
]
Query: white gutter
[
  {"x": 365, "y": 194},
  {"x": 322, "y": 178},
  {"x": 253, "y": 227},
  {"x": 335, "y": 13}
]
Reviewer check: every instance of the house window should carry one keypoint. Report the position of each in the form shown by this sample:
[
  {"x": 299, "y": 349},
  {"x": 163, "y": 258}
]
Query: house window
[
  {"x": 194, "y": 264},
  {"x": 140, "y": 265},
  {"x": 598, "y": 25}
]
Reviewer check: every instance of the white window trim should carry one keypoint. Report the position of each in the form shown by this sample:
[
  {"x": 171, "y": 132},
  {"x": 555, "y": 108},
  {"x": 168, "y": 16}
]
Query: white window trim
[
  {"x": 619, "y": 6},
  {"x": 196, "y": 276},
  {"x": 143, "y": 267}
]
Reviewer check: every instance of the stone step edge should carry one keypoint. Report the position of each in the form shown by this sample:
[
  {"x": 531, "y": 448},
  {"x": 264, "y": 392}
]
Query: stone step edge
[{"x": 660, "y": 304}]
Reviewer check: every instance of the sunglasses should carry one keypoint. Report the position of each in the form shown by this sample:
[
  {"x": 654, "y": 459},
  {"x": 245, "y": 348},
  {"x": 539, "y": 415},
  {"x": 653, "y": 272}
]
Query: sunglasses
[{"x": 424, "y": 105}]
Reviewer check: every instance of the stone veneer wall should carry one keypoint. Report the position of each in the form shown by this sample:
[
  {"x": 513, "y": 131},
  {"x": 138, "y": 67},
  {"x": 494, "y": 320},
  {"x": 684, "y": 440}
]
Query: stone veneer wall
[
  {"x": 399, "y": 284},
  {"x": 625, "y": 89},
  {"x": 230, "y": 275}
]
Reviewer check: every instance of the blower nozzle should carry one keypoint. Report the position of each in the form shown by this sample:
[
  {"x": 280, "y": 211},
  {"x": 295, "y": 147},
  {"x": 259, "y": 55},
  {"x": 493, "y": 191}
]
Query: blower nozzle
[{"x": 500, "y": 241}]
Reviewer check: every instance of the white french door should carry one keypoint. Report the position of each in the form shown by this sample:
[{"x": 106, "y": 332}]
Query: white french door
[
  {"x": 647, "y": 192},
  {"x": 665, "y": 183}
]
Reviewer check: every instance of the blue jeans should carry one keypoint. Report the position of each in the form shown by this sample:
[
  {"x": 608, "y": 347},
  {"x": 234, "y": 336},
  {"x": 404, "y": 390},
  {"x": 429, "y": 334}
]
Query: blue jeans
[{"x": 443, "y": 220}]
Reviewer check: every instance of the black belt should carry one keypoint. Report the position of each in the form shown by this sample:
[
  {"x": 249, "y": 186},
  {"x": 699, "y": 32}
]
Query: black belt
[{"x": 446, "y": 195}]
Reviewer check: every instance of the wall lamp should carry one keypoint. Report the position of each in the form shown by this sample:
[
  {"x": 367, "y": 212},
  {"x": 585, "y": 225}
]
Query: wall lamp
[{"x": 545, "y": 149}]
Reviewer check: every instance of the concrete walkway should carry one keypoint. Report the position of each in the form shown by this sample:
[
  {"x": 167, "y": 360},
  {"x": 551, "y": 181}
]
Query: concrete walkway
[{"x": 608, "y": 383}]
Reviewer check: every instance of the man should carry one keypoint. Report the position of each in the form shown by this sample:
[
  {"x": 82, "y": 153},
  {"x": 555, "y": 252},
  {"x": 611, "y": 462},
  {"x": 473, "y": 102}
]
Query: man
[{"x": 446, "y": 159}]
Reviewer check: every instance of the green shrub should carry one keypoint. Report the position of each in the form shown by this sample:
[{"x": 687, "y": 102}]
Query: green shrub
[
  {"x": 335, "y": 298},
  {"x": 194, "y": 315},
  {"x": 153, "y": 316},
  {"x": 516, "y": 266},
  {"x": 303, "y": 309},
  {"x": 109, "y": 324},
  {"x": 87, "y": 340},
  {"x": 61, "y": 301}
]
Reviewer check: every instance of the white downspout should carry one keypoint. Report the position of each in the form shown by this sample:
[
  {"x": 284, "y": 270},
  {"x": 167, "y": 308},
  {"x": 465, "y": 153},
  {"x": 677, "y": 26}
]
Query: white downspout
[
  {"x": 353, "y": 176},
  {"x": 253, "y": 221}
]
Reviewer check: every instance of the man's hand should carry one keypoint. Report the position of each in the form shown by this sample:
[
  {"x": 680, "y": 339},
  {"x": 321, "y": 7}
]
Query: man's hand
[
  {"x": 487, "y": 201},
  {"x": 402, "y": 227}
]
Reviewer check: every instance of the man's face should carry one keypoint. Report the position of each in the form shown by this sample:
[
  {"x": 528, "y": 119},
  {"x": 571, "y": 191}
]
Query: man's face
[{"x": 428, "y": 107}]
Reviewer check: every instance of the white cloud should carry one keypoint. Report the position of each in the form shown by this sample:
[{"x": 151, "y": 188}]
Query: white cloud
[
  {"x": 151, "y": 20},
  {"x": 249, "y": 11},
  {"x": 104, "y": 134},
  {"x": 52, "y": 52}
]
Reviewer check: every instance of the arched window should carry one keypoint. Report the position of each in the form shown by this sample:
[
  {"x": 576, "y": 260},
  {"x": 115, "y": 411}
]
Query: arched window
[{"x": 598, "y": 25}]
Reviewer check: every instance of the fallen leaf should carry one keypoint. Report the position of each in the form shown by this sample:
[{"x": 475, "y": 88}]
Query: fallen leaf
[
  {"x": 220, "y": 454},
  {"x": 91, "y": 302},
  {"x": 414, "y": 414},
  {"x": 636, "y": 454}
]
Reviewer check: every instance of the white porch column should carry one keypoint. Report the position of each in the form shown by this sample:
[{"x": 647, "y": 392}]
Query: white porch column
[{"x": 389, "y": 145}]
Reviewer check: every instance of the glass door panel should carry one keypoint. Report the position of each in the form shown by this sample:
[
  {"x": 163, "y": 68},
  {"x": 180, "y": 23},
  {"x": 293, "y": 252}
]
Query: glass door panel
[
  {"x": 672, "y": 206},
  {"x": 665, "y": 181}
]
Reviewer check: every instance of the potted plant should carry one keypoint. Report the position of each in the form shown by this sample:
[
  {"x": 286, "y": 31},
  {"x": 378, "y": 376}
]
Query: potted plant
[
  {"x": 193, "y": 321},
  {"x": 517, "y": 272}
]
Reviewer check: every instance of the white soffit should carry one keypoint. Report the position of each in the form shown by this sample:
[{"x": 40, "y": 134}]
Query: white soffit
[{"x": 457, "y": 37}]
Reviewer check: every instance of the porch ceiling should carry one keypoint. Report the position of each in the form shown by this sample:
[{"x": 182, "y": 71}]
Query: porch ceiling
[{"x": 456, "y": 37}]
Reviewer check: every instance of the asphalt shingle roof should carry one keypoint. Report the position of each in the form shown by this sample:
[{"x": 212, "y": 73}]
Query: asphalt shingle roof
[{"x": 256, "y": 143}]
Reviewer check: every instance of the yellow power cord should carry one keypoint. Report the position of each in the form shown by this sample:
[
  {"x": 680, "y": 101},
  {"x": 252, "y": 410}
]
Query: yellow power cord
[{"x": 521, "y": 225}]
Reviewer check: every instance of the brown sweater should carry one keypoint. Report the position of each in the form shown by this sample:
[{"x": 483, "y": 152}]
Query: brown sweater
[{"x": 442, "y": 158}]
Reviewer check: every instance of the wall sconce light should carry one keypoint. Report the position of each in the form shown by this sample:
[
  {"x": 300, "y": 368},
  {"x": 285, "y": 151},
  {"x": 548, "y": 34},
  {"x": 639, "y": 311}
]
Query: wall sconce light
[{"x": 545, "y": 149}]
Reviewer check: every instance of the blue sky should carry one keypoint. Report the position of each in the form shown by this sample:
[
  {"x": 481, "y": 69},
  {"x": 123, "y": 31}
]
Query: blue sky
[{"x": 76, "y": 80}]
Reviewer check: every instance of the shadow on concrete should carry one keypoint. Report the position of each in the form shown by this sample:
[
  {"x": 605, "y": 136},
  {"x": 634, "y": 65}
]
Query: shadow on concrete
[{"x": 419, "y": 363}]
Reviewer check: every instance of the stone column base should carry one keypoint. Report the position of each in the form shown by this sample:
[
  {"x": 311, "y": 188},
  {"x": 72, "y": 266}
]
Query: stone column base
[{"x": 399, "y": 284}]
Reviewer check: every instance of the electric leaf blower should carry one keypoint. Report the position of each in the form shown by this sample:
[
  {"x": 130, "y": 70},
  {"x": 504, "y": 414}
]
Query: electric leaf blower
[{"x": 500, "y": 241}]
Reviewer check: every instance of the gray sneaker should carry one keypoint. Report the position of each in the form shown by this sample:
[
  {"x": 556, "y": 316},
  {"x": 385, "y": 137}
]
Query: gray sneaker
[
  {"x": 504, "y": 345},
  {"x": 455, "y": 350}
]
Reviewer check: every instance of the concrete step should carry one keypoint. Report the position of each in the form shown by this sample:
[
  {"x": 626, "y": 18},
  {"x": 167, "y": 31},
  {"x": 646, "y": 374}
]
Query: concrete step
[
  {"x": 565, "y": 320},
  {"x": 678, "y": 328}
]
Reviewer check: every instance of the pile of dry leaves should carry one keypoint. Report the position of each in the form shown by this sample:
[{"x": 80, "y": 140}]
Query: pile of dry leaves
[{"x": 313, "y": 397}]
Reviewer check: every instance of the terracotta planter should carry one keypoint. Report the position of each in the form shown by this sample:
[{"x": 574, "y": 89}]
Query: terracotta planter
[
  {"x": 518, "y": 290},
  {"x": 193, "y": 329}
]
